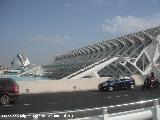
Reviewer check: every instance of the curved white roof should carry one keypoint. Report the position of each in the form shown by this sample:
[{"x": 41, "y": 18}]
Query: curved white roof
[{"x": 19, "y": 60}]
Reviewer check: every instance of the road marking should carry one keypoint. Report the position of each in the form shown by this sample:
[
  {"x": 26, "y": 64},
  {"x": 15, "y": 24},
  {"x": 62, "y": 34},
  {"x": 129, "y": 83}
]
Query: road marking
[
  {"x": 103, "y": 107},
  {"x": 111, "y": 106},
  {"x": 131, "y": 103},
  {"x": 26, "y": 104},
  {"x": 125, "y": 104},
  {"x": 117, "y": 96},
  {"x": 125, "y": 95},
  {"x": 118, "y": 105},
  {"x": 95, "y": 108},
  {"x": 56, "y": 116}
]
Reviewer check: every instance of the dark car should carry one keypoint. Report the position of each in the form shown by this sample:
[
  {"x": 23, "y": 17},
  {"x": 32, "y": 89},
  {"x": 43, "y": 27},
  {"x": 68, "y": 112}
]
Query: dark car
[
  {"x": 9, "y": 91},
  {"x": 117, "y": 84}
]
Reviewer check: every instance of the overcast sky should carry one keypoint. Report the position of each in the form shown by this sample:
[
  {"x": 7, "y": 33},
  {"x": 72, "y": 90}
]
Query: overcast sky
[{"x": 40, "y": 29}]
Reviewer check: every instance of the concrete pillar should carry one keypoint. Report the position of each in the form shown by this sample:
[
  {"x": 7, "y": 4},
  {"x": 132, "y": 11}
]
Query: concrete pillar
[
  {"x": 156, "y": 112},
  {"x": 96, "y": 75},
  {"x": 105, "y": 115}
]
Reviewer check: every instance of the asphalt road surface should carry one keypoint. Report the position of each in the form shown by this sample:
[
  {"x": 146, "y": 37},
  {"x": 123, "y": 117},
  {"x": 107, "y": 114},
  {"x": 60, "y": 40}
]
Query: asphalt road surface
[{"x": 74, "y": 104}]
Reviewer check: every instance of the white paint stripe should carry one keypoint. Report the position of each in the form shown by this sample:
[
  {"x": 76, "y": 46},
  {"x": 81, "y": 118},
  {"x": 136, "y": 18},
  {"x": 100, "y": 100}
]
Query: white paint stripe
[
  {"x": 125, "y": 104},
  {"x": 26, "y": 104},
  {"x": 111, "y": 106},
  {"x": 132, "y": 103},
  {"x": 56, "y": 116},
  {"x": 118, "y": 105},
  {"x": 104, "y": 107},
  {"x": 117, "y": 96}
]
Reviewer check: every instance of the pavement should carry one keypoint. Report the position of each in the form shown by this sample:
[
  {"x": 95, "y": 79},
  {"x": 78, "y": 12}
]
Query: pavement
[{"x": 75, "y": 104}]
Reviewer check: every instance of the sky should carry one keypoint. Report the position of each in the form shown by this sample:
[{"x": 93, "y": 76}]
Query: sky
[{"x": 41, "y": 29}]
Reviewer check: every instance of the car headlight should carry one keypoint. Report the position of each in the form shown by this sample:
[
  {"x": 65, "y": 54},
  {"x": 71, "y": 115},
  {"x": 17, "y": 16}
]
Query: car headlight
[
  {"x": 111, "y": 84},
  {"x": 105, "y": 84}
]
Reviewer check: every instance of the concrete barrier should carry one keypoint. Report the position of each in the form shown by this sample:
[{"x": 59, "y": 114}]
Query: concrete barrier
[
  {"x": 65, "y": 85},
  {"x": 44, "y": 86},
  {"x": 139, "y": 79}
]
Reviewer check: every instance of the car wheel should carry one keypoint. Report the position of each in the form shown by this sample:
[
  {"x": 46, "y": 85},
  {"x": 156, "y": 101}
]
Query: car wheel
[
  {"x": 156, "y": 85},
  {"x": 100, "y": 90},
  {"x": 5, "y": 100},
  {"x": 132, "y": 86},
  {"x": 110, "y": 89}
]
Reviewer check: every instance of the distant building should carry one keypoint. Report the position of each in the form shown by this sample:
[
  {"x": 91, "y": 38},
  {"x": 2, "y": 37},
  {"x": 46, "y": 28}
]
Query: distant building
[
  {"x": 21, "y": 66},
  {"x": 137, "y": 53},
  {"x": 19, "y": 60},
  {"x": 1, "y": 67}
]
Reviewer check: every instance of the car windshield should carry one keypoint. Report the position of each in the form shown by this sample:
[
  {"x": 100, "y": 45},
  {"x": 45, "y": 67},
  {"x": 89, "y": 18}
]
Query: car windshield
[
  {"x": 125, "y": 77},
  {"x": 112, "y": 79}
]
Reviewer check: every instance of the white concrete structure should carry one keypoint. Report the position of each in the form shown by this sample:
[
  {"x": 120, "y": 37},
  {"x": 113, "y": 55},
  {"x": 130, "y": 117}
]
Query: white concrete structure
[
  {"x": 52, "y": 86},
  {"x": 21, "y": 66},
  {"x": 66, "y": 85},
  {"x": 19, "y": 60},
  {"x": 136, "y": 53}
]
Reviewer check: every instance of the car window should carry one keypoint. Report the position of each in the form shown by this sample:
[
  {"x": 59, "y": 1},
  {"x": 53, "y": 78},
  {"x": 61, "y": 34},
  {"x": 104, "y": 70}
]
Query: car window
[
  {"x": 127, "y": 79},
  {"x": 121, "y": 80},
  {"x": 2, "y": 81},
  {"x": 116, "y": 80},
  {"x": 110, "y": 79},
  {"x": 6, "y": 81}
]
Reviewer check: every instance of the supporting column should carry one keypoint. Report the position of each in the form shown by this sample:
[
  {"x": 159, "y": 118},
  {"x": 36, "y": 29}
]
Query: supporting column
[
  {"x": 105, "y": 115},
  {"x": 96, "y": 75},
  {"x": 156, "y": 110}
]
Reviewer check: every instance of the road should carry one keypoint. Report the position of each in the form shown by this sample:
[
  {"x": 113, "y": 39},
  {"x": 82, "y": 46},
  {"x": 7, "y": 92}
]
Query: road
[{"x": 92, "y": 101}]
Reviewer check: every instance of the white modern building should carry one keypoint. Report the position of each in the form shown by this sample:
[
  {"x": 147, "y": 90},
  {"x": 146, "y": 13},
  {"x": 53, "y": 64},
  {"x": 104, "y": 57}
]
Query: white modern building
[
  {"x": 21, "y": 66},
  {"x": 19, "y": 60},
  {"x": 131, "y": 54}
]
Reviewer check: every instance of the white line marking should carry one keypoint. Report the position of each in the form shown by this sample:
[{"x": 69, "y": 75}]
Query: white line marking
[
  {"x": 26, "y": 104},
  {"x": 125, "y": 104},
  {"x": 109, "y": 97},
  {"x": 132, "y": 103},
  {"x": 118, "y": 105},
  {"x": 56, "y": 116},
  {"x": 125, "y": 95},
  {"x": 117, "y": 96}
]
